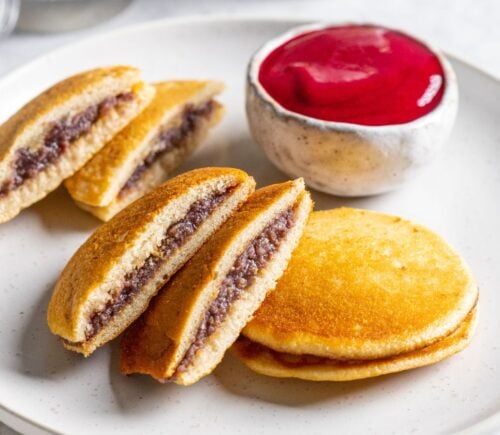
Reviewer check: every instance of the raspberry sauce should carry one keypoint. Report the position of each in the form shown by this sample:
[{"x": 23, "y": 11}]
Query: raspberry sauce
[{"x": 360, "y": 74}]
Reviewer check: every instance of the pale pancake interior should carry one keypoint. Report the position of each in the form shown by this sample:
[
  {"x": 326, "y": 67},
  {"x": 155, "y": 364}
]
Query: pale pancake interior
[
  {"x": 99, "y": 182},
  {"x": 28, "y": 129},
  {"x": 161, "y": 169},
  {"x": 160, "y": 340}
]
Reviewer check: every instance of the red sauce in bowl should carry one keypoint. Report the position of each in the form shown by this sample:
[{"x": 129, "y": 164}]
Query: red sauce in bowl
[{"x": 360, "y": 74}]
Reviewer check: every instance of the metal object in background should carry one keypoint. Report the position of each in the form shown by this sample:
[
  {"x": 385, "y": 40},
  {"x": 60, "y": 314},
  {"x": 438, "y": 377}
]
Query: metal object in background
[
  {"x": 49, "y": 16},
  {"x": 9, "y": 12}
]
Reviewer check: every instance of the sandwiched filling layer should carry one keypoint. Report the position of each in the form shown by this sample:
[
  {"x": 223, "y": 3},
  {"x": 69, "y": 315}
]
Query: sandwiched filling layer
[
  {"x": 170, "y": 139},
  {"x": 240, "y": 277},
  {"x": 175, "y": 236},
  {"x": 28, "y": 163},
  {"x": 251, "y": 350}
]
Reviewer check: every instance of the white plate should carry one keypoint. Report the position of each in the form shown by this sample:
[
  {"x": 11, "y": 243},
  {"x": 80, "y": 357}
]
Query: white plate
[{"x": 43, "y": 387}]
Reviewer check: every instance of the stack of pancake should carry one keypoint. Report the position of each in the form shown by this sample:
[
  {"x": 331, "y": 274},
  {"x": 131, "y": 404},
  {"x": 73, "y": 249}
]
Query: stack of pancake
[
  {"x": 365, "y": 294},
  {"x": 203, "y": 262},
  {"x": 107, "y": 134}
]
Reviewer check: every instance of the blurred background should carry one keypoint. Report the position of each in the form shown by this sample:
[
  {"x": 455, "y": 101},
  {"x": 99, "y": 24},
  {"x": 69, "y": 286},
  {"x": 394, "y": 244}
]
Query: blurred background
[
  {"x": 470, "y": 29},
  {"x": 467, "y": 28}
]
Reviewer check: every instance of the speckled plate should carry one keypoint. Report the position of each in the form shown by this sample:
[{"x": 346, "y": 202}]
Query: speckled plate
[{"x": 44, "y": 388}]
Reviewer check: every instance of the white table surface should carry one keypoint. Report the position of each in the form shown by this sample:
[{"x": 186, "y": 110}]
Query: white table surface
[{"x": 467, "y": 28}]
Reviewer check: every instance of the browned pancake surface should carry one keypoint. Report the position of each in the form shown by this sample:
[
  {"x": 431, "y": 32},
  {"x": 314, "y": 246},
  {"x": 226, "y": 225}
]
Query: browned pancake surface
[{"x": 362, "y": 285}]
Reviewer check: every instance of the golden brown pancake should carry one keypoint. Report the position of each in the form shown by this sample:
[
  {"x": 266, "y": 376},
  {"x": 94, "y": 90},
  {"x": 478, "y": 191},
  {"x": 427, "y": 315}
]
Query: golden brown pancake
[
  {"x": 145, "y": 152},
  {"x": 365, "y": 285},
  {"x": 282, "y": 365},
  {"x": 56, "y": 133},
  {"x": 109, "y": 281},
  {"x": 198, "y": 315}
]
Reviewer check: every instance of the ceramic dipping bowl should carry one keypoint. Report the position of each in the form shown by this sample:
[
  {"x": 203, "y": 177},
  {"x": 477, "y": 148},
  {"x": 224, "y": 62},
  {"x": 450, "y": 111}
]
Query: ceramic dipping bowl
[{"x": 341, "y": 158}]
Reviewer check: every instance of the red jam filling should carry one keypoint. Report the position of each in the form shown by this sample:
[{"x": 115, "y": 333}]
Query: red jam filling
[{"x": 360, "y": 74}]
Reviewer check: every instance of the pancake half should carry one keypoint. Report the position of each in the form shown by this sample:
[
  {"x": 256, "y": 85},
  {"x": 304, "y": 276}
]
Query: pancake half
[
  {"x": 268, "y": 362},
  {"x": 110, "y": 280},
  {"x": 144, "y": 153},
  {"x": 365, "y": 285},
  {"x": 199, "y": 314},
  {"x": 56, "y": 133}
]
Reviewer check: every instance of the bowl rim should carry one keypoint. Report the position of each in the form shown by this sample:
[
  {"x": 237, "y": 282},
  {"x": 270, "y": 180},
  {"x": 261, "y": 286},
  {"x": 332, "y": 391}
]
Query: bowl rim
[{"x": 450, "y": 91}]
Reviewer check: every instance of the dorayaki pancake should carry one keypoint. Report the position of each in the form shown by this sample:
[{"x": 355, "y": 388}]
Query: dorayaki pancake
[
  {"x": 365, "y": 285},
  {"x": 199, "y": 314},
  {"x": 268, "y": 362},
  {"x": 112, "y": 277},
  {"x": 144, "y": 153},
  {"x": 55, "y": 134}
]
